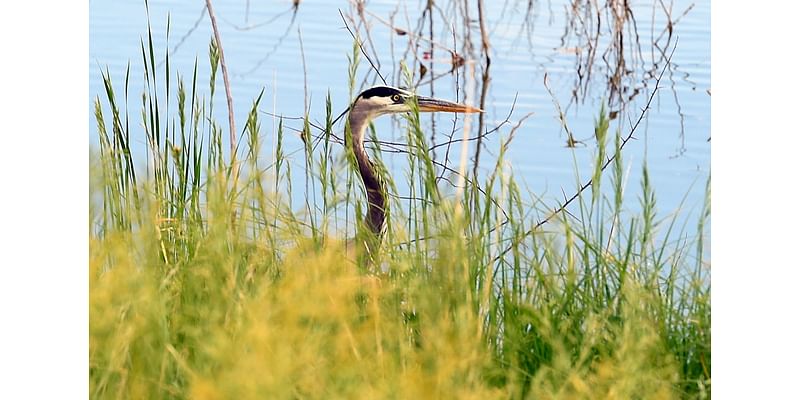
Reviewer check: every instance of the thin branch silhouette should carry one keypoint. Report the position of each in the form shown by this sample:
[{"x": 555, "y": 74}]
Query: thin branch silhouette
[
  {"x": 608, "y": 161},
  {"x": 226, "y": 80},
  {"x": 361, "y": 47}
]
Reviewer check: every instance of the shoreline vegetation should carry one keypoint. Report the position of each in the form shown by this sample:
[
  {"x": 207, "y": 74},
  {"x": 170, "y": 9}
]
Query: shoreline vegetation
[{"x": 208, "y": 282}]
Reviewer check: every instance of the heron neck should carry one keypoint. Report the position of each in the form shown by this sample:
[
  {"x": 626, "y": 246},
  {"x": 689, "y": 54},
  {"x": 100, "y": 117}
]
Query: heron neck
[{"x": 376, "y": 198}]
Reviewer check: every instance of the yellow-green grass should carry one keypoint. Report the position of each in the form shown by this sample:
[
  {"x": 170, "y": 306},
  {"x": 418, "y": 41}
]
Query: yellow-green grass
[{"x": 208, "y": 284}]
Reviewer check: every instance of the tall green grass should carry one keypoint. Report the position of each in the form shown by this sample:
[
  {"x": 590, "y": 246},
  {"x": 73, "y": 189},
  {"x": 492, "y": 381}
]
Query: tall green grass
[{"x": 210, "y": 284}]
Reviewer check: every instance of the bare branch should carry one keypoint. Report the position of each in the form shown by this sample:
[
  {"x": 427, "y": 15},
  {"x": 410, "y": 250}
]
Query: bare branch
[
  {"x": 228, "y": 95},
  {"x": 608, "y": 161},
  {"x": 361, "y": 47}
]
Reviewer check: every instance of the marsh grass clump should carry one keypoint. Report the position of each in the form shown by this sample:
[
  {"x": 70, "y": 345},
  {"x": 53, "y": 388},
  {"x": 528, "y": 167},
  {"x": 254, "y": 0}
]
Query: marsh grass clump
[{"x": 207, "y": 283}]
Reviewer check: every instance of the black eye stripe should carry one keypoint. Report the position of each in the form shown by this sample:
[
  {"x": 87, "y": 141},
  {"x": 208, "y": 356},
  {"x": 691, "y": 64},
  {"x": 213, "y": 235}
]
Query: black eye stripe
[{"x": 380, "y": 91}]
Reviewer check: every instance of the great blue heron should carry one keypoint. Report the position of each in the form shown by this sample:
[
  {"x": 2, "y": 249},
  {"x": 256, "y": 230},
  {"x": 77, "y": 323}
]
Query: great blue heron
[{"x": 372, "y": 103}]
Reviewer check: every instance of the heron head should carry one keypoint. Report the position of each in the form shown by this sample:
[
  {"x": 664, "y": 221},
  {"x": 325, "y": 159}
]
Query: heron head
[{"x": 380, "y": 100}]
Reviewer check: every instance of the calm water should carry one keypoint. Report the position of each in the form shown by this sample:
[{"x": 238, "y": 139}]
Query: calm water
[{"x": 262, "y": 48}]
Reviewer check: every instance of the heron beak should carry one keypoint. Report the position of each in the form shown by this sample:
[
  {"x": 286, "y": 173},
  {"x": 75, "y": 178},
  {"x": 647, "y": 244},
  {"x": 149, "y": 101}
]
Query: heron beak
[{"x": 428, "y": 104}]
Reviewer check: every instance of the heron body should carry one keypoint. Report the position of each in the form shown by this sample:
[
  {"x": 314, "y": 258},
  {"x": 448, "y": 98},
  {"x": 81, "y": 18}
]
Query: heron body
[{"x": 370, "y": 104}]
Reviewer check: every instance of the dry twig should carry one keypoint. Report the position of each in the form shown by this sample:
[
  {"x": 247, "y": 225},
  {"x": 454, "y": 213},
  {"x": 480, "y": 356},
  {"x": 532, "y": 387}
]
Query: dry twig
[{"x": 228, "y": 95}]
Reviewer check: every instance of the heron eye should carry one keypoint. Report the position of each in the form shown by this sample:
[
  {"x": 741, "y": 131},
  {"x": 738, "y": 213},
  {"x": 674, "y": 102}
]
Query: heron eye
[{"x": 396, "y": 98}]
